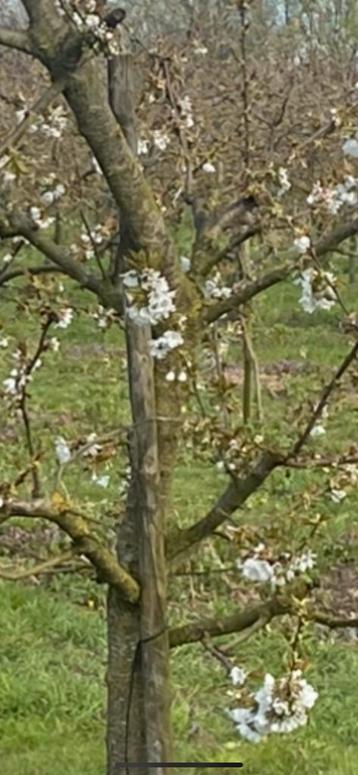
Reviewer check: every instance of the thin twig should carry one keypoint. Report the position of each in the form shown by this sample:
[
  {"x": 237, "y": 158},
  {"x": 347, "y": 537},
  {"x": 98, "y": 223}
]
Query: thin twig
[
  {"x": 94, "y": 246},
  {"x": 37, "y": 570},
  {"x": 36, "y": 109},
  {"x": 326, "y": 393}
]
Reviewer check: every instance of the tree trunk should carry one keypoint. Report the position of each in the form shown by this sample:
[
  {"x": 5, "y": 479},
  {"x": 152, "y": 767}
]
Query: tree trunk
[
  {"x": 138, "y": 660},
  {"x": 138, "y": 650}
]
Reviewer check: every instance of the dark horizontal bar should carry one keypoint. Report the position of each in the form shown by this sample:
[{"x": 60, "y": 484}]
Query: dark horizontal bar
[{"x": 141, "y": 765}]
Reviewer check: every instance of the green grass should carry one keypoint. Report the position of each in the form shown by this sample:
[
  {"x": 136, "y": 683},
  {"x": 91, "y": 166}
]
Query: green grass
[
  {"x": 52, "y": 642},
  {"x": 52, "y": 697}
]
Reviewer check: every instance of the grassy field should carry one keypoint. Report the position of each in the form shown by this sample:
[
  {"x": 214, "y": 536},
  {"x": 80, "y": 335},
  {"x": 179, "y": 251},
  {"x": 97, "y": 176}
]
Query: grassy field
[{"x": 53, "y": 649}]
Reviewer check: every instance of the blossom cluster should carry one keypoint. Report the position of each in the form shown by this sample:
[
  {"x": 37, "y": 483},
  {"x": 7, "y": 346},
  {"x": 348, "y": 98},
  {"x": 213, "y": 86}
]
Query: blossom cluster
[
  {"x": 158, "y": 305},
  {"x": 64, "y": 317},
  {"x": 84, "y": 15},
  {"x": 279, "y": 706},
  {"x": 39, "y": 219},
  {"x": 21, "y": 374},
  {"x": 159, "y": 139},
  {"x": 278, "y": 573},
  {"x": 157, "y": 294},
  {"x": 317, "y": 289},
  {"x": 186, "y": 110},
  {"x": 160, "y": 347},
  {"x": 284, "y": 182},
  {"x": 16, "y": 382},
  {"x": 215, "y": 289},
  {"x": 91, "y": 448},
  {"x": 104, "y": 317},
  {"x": 51, "y": 195},
  {"x": 53, "y": 126},
  {"x": 333, "y": 199}
]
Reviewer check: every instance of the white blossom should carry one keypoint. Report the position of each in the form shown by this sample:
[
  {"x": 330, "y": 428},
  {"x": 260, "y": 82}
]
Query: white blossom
[
  {"x": 159, "y": 348},
  {"x": 185, "y": 264},
  {"x": 160, "y": 299},
  {"x": 344, "y": 193},
  {"x": 8, "y": 177},
  {"x": 209, "y": 168},
  {"x": 170, "y": 376},
  {"x": 140, "y": 316},
  {"x": 39, "y": 220},
  {"x": 7, "y": 258},
  {"x": 260, "y": 570},
  {"x": 317, "y": 290},
  {"x": 104, "y": 317},
  {"x": 302, "y": 243},
  {"x": 101, "y": 481},
  {"x": 187, "y": 111},
  {"x": 4, "y": 342},
  {"x": 238, "y": 676},
  {"x": 52, "y": 195},
  {"x": 161, "y": 139},
  {"x": 16, "y": 382},
  {"x": 143, "y": 147},
  {"x": 284, "y": 181},
  {"x": 214, "y": 289},
  {"x": 337, "y": 495},
  {"x": 65, "y": 317},
  {"x": 200, "y": 50},
  {"x": 350, "y": 147},
  {"x": 21, "y": 114},
  {"x": 63, "y": 452},
  {"x": 10, "y": 385},
  {"x": 35, "y": 213},
  {"x": 303, "y": 562},
  {"x": 279, "y": 706},
  {"x": 94, "y": 449},
  {"x": 54, "y": 344},
  {"x": 317, "y": 431},
  {"x": 257, "y": 570},
  {"x": 244, "y": 719},
  {"x": 130, "y": 279}
]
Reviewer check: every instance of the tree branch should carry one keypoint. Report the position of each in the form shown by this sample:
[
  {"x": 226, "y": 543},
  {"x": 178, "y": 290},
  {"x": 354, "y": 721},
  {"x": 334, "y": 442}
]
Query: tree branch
[
  {"x": 326, "y": 393},
  {"x": 15, "y": 224},
  {"x": 239, "y": 239},
  {"x": 238, "y": 622},
  {"x": 247, "y": 292},
  {"x": 12, "y": 274},
  {"x": 239, "y": 490},
  {"x": 108, "y": 569},
  {"x": 326, "y": 620},
  {"x": 35, "y": 570},
  {"x": 17, "y": 39},
  {"x": 329, "y": 242},
  {"x": 248, "y": 622},
  {"x": 36, "y": 109},
  {"x": 325, "y": 244},
  {"x": 235, "y": 495}
]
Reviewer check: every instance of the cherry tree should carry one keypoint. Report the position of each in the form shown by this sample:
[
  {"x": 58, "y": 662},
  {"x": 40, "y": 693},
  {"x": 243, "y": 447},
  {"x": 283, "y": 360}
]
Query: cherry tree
[{"x": 213, "y": 135}]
